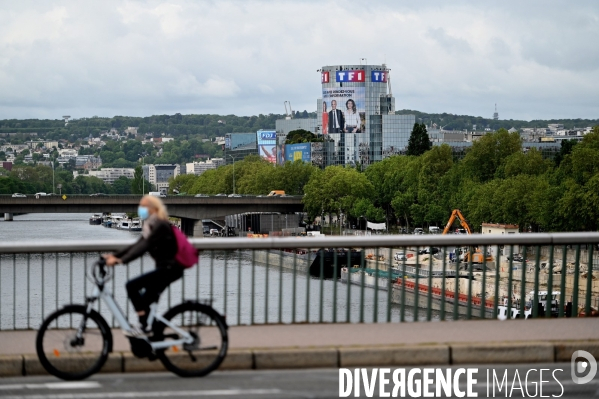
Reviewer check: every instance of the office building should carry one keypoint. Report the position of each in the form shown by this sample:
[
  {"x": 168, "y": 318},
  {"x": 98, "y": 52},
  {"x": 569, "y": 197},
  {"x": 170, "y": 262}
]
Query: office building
[
  {"x": 239, "y": 146},
  {"x": 159, "y": 175}
]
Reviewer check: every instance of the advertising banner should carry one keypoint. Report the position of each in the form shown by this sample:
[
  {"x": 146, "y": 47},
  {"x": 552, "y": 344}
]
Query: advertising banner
[
  {"x": 343, "y": 110},
  {"x": 298, "y": 152},
  {"x": 267, "y": 144}
]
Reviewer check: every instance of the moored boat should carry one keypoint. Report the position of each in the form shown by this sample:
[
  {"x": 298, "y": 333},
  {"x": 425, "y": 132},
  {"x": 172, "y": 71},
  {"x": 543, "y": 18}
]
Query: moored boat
[{"x": 96, "y": 219}]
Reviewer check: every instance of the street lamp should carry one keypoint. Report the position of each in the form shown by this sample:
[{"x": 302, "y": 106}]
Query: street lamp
[
  {"x": 233, "y": 158},
  {"x": 143, "y": 178},
  {"x": 53, "y": 187}
]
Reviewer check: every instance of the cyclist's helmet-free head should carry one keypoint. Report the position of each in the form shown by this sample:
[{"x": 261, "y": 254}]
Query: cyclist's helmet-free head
[{"x": 154, "y": 206}]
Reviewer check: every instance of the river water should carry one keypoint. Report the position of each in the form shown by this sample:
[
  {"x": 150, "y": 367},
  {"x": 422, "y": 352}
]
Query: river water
[{"x": 32, "y": 287}]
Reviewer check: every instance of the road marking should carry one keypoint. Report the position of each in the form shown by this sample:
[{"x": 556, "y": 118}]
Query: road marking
[
  {"x": 127, "y": 395},
  {"x": 53, "y": 385}
]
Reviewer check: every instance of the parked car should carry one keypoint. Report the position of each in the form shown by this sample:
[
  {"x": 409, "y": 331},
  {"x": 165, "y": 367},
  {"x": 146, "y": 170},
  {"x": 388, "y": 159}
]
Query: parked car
[
  {"x": 19, "y": 195},
  {"x": 517, "y": 258},
  {"x": 201, "y": 196},
  {"x": 157, "y": 194},
  {"x": 37, "y": 195},
  {"x": 98, "y": 195},
  {"x": 234, "y": 195},
  {"x": 400, "y": 256},
  {"x": 221, "y": 195},
  {"x": 418, "y": 231},
  {"x": 427, "y": 251}
]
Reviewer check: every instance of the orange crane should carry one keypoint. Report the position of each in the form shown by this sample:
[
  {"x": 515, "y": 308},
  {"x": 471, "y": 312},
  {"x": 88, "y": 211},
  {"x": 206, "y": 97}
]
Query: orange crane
[
  {"x": 457, "y": 214},
  {"x": 477, "y": 255}
]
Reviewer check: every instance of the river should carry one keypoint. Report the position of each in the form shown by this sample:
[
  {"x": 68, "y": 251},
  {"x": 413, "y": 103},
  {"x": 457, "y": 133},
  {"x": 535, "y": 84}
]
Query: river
[{"x": 36, "y": 285}]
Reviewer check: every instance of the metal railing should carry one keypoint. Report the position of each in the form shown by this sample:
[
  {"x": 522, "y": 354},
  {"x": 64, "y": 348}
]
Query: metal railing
[{"x": 330, "y": 279}]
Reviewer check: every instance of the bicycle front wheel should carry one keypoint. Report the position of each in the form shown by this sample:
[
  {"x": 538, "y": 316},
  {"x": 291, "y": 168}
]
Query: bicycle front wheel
[
  {"x": 73, "y": 344},
  {"x": 210, "y": 345}
]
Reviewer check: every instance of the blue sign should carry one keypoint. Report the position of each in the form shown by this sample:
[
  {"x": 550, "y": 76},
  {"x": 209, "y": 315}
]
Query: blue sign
[
  {"x": 267, "y": 135},
  {"x": 350, "y": 76},
  {"x": 378, "y": 76},
  {"x": 298, "y": 152}
]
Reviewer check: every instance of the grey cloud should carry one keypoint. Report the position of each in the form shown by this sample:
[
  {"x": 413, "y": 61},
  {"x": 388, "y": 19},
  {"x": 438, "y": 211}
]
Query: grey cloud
[
  {"x": 449, "y": 43},
  {"x": 247, "y": 57}
]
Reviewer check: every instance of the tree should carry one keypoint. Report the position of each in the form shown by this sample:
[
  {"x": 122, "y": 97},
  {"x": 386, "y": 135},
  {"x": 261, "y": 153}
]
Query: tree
[
  {"x": 137, "y": 184},
  {"x": 335, "y": 189},
  {"x": 122, "y": 185},
  {"x": 419, "y": 142},
  {"x": 301, "y": 136},
  {"x": 487, "y": 154}
]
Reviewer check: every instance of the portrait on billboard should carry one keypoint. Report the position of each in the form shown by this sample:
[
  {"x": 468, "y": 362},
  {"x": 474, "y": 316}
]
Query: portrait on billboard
[
  {"x": 267, "y": 145},
  {"x": 343, "y": 110}
]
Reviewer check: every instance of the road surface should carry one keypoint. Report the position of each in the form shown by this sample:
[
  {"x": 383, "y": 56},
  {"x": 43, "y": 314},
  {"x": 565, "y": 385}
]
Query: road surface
[{"x": 270, "y": 384}]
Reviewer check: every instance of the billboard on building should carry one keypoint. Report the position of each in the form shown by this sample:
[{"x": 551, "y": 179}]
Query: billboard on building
[
  {"x": 343, "y": 110},
  {"x": 267, "y": 144},
  {"x": 298, "y": 152}
]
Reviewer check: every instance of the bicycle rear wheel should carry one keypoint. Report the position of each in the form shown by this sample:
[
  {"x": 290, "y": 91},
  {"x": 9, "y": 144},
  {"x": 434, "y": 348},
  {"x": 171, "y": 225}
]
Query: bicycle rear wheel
[
  {"x": 73, "y": 344},
  {"x": 209, "y": 348}
]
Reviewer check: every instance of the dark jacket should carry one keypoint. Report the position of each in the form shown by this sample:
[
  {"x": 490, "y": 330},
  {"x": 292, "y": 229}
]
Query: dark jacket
[
  {"x": 340, "y": 120},
  {"x": 161, "y": 244}
]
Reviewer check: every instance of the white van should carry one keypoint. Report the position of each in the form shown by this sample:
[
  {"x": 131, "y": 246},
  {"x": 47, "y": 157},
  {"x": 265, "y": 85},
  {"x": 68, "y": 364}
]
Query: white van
[
  {"x": 157, "y": 194},
  {"x": 434, "y": 230}
]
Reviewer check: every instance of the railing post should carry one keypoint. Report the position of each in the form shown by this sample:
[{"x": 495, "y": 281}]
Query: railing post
[
  {"x": 549, "y": 301},
  {"x": 562, "y": 294},
  {"x": 523, "y": 282},
  {"x": 587, "y": 302}
]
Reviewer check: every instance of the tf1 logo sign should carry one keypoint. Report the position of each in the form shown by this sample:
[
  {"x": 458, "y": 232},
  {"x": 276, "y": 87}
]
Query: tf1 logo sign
[
  {"x": 325, "y": 77},
  {"x": 350, "y": 76},
  {"x": 378, "y": 76}
]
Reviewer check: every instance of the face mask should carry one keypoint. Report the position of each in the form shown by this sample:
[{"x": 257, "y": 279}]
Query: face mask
[{"x": 143, "y": 212}]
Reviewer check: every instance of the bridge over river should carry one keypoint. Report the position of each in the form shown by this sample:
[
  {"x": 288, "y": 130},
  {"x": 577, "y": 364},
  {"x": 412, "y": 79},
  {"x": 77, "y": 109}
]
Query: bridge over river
[{"x": 191, "y": 210}]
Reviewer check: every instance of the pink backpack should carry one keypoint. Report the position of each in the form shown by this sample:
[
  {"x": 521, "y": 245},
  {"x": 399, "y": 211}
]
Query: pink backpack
[{"x": 187, "y": 255}]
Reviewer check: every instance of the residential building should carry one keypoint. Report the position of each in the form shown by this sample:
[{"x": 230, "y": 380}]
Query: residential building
[
  {"x": 49, "y": 144},
  {"x": 68, "y": 153},
  {"x": 110, "y": 175},
  {"x": 88, "y": 162},
  {"x": 197, "y": 168}
]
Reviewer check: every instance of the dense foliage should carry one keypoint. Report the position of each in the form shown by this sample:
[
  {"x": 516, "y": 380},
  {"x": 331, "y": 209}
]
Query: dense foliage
[
  {"x": 301, "y": 136},
  {"x": 34, "y": 179},
  {"x": 495, "y": 182}
]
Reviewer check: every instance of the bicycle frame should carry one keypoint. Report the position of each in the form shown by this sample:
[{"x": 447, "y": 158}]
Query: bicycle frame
[{"x": 103, "y": 292}]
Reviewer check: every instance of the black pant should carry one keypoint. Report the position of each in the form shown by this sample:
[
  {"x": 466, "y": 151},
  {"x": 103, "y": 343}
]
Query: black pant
[{"x": 146, "y": 289}]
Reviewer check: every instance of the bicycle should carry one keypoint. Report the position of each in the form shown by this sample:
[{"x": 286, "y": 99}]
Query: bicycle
[{"x": 75, "y": 353}]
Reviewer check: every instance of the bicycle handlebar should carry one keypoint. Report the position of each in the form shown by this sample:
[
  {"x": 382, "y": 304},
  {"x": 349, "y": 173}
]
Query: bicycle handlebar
[{"x": 99, "y": 272}]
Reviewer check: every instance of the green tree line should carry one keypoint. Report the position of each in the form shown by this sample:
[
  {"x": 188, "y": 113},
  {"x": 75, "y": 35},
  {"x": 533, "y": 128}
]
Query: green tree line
[
  {"x": 496, "y": 182},
  {"x": 34, "y": 179}
]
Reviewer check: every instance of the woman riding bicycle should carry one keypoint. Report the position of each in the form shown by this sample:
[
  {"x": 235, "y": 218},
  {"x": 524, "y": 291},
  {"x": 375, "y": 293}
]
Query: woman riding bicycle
[{"x": 158, "y": 239}]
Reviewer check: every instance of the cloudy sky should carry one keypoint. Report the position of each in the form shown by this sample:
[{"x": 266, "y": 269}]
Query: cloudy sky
[{"x": 535, "y": 59}]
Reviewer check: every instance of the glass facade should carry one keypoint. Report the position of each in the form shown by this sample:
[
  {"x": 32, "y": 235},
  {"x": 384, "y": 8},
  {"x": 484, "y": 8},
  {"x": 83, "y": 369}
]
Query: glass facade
[
  {"x": 357, "y": 115},
  {"x": 239, "y": 145}
]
